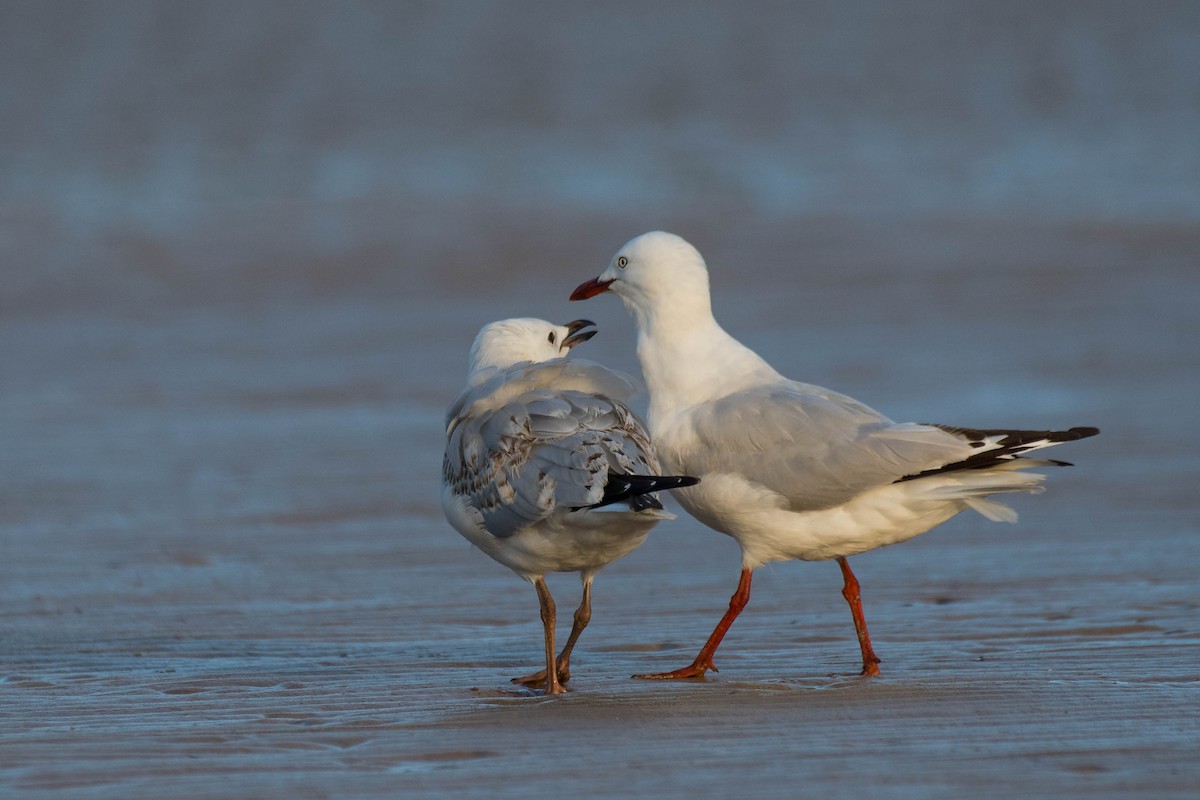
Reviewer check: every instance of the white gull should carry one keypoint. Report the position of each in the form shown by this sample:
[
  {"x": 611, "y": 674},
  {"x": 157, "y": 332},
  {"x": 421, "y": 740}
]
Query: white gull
[
  {"x": 546, "y": 469},
  {"x": 788, "y": 469}
]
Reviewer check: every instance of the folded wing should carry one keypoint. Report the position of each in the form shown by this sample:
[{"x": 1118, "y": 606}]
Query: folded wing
[
  {"x": 818, "y": 449},
  {"x": 542, "y": 451}
]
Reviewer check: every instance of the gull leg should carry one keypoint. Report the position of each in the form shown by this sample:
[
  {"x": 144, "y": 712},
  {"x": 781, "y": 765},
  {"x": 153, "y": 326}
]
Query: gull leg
[
  {"x": 854, "y": 597},
  {"x": 583, "y": 615},
  {"x": 547, "y": 604},
  {"x": 704, "y": 661}
]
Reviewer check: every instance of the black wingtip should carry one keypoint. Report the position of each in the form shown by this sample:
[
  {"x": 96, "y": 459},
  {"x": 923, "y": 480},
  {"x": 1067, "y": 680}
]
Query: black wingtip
[
  {"x": 636, "y": 489},
  {"x": 1010, "y": 445},
  {"x": 644, "y": 502},
  {"x": 674, "y": 481}
]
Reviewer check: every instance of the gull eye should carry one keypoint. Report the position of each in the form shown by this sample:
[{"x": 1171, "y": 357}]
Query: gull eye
[
  {"x": 550, "y": 338},
  {"x": 622, "y": 262}
]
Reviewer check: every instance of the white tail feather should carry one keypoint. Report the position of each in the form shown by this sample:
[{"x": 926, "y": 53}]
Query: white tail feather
[
  {"x": 996, "y": 512},
  {"x": 973, "y": 488}
]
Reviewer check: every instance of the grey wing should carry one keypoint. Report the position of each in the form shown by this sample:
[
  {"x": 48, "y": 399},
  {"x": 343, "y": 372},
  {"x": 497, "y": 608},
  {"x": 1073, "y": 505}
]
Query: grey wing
[
  {"x": 814, "y": 447},
  {"x": 543, "y": 451},
  {"x": 505, "y": 385}
]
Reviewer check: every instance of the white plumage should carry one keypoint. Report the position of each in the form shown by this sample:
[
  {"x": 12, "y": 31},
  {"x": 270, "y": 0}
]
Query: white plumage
[{"x": 792, "y": 470}]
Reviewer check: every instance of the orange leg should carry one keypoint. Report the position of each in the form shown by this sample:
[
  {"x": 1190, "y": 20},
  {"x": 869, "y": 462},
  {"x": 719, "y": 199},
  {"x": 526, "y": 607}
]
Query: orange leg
[
  {"x": 854, "y": 597},
  {"x": 704, "y": 661},
  {"x": 583, "y": 615}
]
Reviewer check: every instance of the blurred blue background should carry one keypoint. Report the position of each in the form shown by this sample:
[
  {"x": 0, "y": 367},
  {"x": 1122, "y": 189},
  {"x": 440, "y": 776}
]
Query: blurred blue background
[
  {"x": 244, "y": 247},
  {"x": 177, "y": 135}
]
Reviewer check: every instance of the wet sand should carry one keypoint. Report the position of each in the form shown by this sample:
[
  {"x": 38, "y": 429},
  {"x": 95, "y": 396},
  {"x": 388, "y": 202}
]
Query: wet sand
[{"x": 224, "y": 571}]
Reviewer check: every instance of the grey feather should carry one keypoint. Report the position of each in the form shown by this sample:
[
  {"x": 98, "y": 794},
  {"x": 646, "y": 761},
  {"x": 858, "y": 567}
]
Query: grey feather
[
  {"x": 814, "y": 447},
  {"x": 538, "y": 438}
]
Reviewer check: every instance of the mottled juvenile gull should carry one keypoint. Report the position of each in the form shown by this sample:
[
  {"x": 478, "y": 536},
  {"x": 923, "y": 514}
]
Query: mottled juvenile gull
[
  {"x": 788, "y": 469},
  {"x": 546, "y": 469}
]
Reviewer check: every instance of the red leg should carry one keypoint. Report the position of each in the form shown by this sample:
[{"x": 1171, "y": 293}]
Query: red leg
[
  {"x": 704, "y": 661},
  {"x": 854, "y": 597}
]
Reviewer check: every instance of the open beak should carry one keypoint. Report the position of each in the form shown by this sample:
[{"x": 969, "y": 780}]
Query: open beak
[
  {"x": 590, "y": 289},
  {"x": 576, "y": 334}
]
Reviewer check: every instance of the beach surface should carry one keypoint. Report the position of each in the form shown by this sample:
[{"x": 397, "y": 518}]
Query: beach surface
[
  {"x": 245, "y": 247},
  {"x": 224, "y": 570}
]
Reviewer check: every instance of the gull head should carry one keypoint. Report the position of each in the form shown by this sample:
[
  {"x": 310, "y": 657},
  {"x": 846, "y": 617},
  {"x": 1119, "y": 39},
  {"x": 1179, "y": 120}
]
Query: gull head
[
  {"x": 651, "y": 271},
  {"x": 503, "y": 344}
]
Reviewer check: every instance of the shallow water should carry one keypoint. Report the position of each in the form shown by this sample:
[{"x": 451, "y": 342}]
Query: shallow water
[
  {"x": 244, "y": 250},
  {"x": 225, "y": 572}
]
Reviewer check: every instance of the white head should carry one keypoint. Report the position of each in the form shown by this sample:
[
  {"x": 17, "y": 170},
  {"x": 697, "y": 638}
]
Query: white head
[
  {"x": 655, "y": 274},
  {"x": 512, "y": 341}
]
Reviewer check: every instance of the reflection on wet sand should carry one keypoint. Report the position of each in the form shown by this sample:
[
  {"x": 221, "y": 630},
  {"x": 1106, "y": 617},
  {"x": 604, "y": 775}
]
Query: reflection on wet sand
[{"x": 223, "y": 556}]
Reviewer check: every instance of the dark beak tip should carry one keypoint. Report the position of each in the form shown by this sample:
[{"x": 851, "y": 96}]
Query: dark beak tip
[
  {"x": 579, "y": 338},
  {"x": 576, "y": 324}
]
